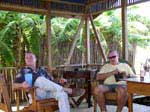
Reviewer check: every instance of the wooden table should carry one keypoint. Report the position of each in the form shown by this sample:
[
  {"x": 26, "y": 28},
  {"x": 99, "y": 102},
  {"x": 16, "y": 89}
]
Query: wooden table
[
  {"x": 79, "y": 75},
  {"x": 135, "y": 85}
]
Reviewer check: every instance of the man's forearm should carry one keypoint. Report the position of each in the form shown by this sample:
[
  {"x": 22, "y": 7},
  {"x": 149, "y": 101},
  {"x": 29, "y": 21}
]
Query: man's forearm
[
  {"x": 17, "y": 85},
  {"x": 103, "y": 76}
]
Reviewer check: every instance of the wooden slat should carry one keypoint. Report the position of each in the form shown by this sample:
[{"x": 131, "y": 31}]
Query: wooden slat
[
  {"x": 67, "y": 14},
  {"x": 17, "y": 8},
  {"x": 9, "y": 74},
  {"x": 6, "y": 105}
]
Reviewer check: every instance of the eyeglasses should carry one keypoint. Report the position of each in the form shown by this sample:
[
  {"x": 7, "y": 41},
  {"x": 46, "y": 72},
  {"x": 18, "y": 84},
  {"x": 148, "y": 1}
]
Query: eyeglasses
[{"x": 112, "y": 57}]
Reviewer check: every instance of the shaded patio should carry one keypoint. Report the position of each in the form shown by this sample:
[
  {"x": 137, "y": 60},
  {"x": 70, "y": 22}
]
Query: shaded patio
[{"x": 85, "y": 11}]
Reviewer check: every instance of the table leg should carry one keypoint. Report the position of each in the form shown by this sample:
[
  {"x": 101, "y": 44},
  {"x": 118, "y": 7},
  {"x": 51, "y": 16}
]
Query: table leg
[
  {"x": 17, "y": 100},
  {"x": 89, "y": 94},
  {"x": 130, "y": 103}
]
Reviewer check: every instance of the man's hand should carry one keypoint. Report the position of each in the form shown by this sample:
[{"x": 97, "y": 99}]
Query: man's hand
[
  {"x": 62, "y": 81},
  {"x": 124, "y": 74},
  {"x": 25, "y": 85},
  {"x": 116, "y": 71}
]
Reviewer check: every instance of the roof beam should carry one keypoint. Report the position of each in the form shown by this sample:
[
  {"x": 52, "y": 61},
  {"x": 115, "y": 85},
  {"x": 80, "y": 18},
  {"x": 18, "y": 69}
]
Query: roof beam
[
  {"x": 66, "y": 2},
  {"x": 8, "y": 7}
]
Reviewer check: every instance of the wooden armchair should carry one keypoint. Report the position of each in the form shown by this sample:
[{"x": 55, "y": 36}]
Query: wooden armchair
[
  {"x": 5, "y": 103},
  {"x": 110, "y": 96},
  {"x": 45, "y": 105}
]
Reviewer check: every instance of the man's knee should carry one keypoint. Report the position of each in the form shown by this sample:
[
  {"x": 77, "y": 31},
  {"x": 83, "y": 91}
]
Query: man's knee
[
  {"x": 96, "y": 91},
  {"x": 99, "y": 90},
  {"x": 63, "y": 94},
  {"x": 121, "y": 91}
]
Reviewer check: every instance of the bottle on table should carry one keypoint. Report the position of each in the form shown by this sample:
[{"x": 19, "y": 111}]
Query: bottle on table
[{"x": 142, "y": 72}]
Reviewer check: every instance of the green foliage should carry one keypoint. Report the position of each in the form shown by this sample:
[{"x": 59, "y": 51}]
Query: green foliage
[
  {"x": 63, "y": 29},
  {"x": 30, "y": 29}
]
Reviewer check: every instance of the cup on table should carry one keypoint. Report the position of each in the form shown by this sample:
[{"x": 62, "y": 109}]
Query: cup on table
[
  {"x": 142, "y": 74},
  {"x": 28, "y": 78}
]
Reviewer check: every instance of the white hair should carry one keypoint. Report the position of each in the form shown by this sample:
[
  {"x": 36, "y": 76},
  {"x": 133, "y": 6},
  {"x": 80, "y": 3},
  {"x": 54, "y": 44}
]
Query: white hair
[{"x": 33, "y": 56}]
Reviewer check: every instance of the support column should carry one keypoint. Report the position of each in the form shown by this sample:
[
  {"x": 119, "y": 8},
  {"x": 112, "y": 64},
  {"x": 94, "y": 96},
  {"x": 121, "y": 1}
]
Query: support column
[
  {"x": 87, "y": 34},
  {"x": 48, "y": 35},
  {"x": 124, "y": 30}
]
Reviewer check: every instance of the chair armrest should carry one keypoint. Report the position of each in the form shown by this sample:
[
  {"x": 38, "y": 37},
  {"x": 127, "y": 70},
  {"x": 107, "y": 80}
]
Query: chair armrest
[
  {"x": 30, "y": 90},
  {"x": 25, "y": 89}
]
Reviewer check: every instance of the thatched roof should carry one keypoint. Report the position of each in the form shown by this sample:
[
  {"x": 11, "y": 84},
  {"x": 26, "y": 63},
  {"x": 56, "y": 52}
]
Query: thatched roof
[{"x": 63, "y": 7}]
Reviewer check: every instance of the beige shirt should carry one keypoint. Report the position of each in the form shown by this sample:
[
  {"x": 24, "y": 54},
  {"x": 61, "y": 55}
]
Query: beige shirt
[{"x": 123, "y": 67}]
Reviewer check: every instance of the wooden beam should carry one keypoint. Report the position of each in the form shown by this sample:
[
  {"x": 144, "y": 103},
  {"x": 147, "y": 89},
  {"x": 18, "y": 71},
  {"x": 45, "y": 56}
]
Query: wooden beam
[
  {"x": 138, "y": 2},
  {"x": 112, "y": 8},
  {"x": 76, "y": 37},
  {"x": 101, "y": 11},
  {"x": 97, "y": 38},
  {"x": 87, "y": 34},
  {"x": 23, "y": 9},
  {"x": 65, "y": 2},
  {"x": 48, "y": 34},
  {"x": 124, "y": 30},
  {"x": 96, "y": 2},
  {"x": 67, "y": 14}
]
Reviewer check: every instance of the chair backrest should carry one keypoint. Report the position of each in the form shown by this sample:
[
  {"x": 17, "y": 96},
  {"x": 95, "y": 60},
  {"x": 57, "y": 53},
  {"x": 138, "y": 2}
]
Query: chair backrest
[{"x": 5, "y": 103}]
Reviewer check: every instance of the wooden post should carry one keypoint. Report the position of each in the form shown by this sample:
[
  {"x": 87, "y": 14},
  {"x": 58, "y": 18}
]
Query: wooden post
[
  {"x": 48, "y": 35},
  {"x": 124, "y": 30},
  {"x": 87, "y": 34},
  {"x": 97, "y": 38}
]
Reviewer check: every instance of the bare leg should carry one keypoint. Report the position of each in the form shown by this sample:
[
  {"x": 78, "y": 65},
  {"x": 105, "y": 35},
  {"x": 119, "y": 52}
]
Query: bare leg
[
  {"x": 121, "y": 97},
  {"x": 100, "y": 93}
]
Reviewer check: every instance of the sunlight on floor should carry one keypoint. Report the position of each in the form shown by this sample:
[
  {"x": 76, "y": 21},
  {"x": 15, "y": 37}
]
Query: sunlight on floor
[{"x": 83, "y": 108}]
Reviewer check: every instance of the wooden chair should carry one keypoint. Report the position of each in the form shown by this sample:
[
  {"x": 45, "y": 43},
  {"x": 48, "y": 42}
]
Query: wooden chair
[
  {"x": 45, "y": 105},
  {"x": 110, "y": 96},
  {"x": 5, "y": 103}
]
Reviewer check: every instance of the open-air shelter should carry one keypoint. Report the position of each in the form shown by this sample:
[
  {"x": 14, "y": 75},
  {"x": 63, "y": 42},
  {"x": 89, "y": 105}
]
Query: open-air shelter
[
  {"x": 82, "y": 9},
  {"x": 85, "y": 10}
]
